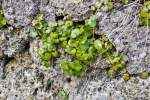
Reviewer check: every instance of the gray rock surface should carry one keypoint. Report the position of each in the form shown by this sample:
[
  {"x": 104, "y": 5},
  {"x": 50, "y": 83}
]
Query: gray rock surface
[
  {"x": 3, "y": 62},
  {"x": 26, "y": 79},
  {"x": 13, "y": 41},
  {"x": 3, "y": 34},
  {"x": 122, "y": 27},
  {"x": 104, "y": 89},
  {"x": 19, "y": 13},
  {"x": 0, "y": 2},
  {"x": 77, "y": 10}
]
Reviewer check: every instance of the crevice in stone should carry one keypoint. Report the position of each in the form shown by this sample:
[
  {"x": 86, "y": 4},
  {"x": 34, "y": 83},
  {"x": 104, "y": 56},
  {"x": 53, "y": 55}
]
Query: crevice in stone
[
  {"x": 35, "y": 91},
  {"x": 3, "y": 62},
  {"x": 59, "y": 17}
]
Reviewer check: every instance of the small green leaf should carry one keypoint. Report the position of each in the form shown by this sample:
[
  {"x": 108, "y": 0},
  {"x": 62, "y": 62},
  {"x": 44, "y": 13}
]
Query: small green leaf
[
  {"x": 92, "y": 21},
  {"x": 55, "y": 54},
  {"x": 97, "y": 5},
  {"x": 91, "y": 50},
  {"x": 40, "y": 51},
  {"x": 46, "y": 56},
  {"x": 68, "y": 23},
  {"x": 75, "y": 33},
  {"x": 71, "y": 51},
  {"x": 2, "y": 19},
  {"x": 47, "y": 64},
  {"x": 98, "y": 44}
]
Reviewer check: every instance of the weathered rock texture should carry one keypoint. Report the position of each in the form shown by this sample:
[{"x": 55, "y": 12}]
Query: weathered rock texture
[
  {"x": 22, "y": 77},
  {"x": 12, "y": 42},
  {"x": 76, "y": 10},
  {"x": 19, "y": 13},
  {"x": 104, "y": 89},
  {"x": 122, "y": 27}
]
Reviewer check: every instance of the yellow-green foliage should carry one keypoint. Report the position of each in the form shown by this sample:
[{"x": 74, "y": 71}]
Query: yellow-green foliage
[
  {"x": 2, "y": 19},
  {"x": 76, "y": 40},
  {"x": 145, "y": 14}
]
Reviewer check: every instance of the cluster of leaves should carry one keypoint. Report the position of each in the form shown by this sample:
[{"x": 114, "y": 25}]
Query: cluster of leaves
[
  {"x": 49, "y": 49},
  {"x": 72, "y": 68},
  {"x": 104, "y": 5},
  {"x": 76, "y": 40},
  {"x": 2, "y": 19},
  {"x": 107, "y": 50},
  {"x": 118, "y": 63},
  {"x": 145, "y": 14}
]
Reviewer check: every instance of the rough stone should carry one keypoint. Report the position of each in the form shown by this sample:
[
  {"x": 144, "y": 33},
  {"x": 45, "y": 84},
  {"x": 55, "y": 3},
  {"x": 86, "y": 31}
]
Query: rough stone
[
  {"x": 19, "y": 13},
  {"x": 13, "y": 41},
  {"x": 79, "y": 11},
  {"x": 116, "y": 89},
  {"x": 122, "y": 28},
  {"x": 76, "y": 10},
  {"x": 14, "y": 45},
  {"x": 25, "y": 78},
  {"x": 2, "y": 39},
  {"x": 24, "y": 81},
  {"x": 0, "y": 2},
  {"x": 33, "y": 46}
]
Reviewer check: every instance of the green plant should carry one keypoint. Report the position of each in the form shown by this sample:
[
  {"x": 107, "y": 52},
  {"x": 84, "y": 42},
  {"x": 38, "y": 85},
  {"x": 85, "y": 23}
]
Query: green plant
[
  {"x": 73, "y": 68},
  {"x": 75, "y": 40},
  {"x": 2, "y": 19},
  {"x": 145, "y": 14}
]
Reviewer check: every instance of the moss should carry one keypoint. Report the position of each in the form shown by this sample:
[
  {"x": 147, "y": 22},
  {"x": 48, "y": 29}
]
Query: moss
[{"x": 144, "y": 75}]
